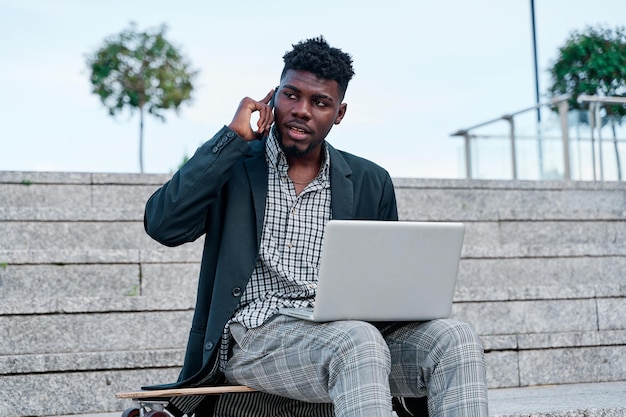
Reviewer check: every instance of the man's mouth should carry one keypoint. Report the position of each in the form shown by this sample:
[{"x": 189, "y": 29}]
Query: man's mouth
[{"x": 298, "y": 132}]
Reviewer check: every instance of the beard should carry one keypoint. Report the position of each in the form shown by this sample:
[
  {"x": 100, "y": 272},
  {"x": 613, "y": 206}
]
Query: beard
[{"x": 294, "y": 151}]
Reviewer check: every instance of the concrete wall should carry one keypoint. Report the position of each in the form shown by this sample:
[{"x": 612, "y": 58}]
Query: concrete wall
[{"x": 89, "y": 305}]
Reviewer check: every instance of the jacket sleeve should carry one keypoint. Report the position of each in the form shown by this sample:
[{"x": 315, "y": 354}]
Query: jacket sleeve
[
  {"x": 388, "y": 208},
  {"x": 177, "y": 212}
]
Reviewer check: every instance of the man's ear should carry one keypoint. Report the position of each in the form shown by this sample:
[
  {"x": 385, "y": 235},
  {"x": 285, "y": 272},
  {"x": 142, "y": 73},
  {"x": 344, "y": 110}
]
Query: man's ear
[{"x": 342, "y": 112}]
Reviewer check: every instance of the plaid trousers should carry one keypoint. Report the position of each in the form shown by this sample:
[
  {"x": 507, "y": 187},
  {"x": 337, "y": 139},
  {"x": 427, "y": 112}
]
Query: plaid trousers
[{"x": 358, "y": 366}]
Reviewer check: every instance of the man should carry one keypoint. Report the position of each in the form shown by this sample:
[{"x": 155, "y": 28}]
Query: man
[{"x": 262, "y": 198}]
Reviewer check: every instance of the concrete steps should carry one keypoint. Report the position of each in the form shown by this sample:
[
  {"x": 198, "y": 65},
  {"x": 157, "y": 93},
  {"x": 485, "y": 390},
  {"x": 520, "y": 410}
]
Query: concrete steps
[{"x": 89, "y": 305}]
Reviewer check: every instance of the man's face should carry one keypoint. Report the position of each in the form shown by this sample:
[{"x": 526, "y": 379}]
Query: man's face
[{"x": 306, "y": 108}]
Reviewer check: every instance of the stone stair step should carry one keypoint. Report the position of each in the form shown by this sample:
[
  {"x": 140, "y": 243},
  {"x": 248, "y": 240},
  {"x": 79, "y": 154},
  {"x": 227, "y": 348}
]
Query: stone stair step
[
  {"x": 528, "y": 341},
  {"x": 540, "y": 278},
  {"x": 543, "y": 316},
  {"x": 555, "y": 366},
  {"x": 51, "y": 281},
  {"x": 572, "y": 365},
  {"x": 37, "y": 189},
  {"x": 131, "y": 303},
  {"x": 90, "y": 361},
  {"x": 482, "y": 240},
  {"x": 118, "y": 273},
  {"x": 74, "y": 392},
  {"x": 95, "y": 332},
  {"x": 188, "y": 253},
  {"x": 74, "y": 213}
]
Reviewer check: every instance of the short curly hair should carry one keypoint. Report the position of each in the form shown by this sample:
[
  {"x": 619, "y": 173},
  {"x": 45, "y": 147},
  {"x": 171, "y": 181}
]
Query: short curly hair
[{"x": 315, "y": 55}]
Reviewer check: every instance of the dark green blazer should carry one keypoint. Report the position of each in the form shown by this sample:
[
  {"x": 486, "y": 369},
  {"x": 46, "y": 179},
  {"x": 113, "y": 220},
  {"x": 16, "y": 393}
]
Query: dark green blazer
[{"x": 220, "y": 193}]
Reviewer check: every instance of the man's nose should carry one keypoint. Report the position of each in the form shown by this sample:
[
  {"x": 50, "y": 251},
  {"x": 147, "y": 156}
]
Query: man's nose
[{"x": 302, "y": 109}]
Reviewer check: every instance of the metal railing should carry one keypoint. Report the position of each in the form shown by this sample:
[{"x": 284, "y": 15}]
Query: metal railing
[{"x": 561, "y": 104}]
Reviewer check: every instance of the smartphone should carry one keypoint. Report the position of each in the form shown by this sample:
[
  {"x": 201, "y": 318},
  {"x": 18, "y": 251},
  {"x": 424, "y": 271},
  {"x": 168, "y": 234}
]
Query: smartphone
[{"x": 271, "y": 103}]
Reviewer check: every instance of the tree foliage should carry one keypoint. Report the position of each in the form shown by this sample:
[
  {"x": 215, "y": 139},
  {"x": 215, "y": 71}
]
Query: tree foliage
[
  {"x": 140, "y": 71},
  {"x": 592, "y": 61}
]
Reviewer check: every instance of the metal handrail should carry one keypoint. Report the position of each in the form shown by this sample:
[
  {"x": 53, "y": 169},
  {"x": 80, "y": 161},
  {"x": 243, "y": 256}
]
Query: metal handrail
[
  {"x": 563, "y": 108},
  {"x": 561, "y": 102}
]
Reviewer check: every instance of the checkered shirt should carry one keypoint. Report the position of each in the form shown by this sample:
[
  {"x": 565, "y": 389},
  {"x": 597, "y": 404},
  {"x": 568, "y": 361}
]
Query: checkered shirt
[{"x": 287, "y": 267}]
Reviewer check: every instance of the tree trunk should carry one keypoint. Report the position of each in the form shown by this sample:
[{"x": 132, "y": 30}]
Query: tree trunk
[{"x": 141, "y": 140}]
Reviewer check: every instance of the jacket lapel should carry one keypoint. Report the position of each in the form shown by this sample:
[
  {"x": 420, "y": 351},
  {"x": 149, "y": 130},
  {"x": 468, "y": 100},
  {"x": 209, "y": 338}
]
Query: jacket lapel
[
  {"x": 256, "y": 169},
  {"x": 342, "y": 191}
]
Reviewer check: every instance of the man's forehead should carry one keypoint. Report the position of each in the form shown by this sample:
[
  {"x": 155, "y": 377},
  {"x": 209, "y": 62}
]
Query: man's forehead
[{"x": 301, "y": 80}]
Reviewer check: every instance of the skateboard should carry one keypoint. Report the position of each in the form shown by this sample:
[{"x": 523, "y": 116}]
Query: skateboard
[{"x": 154, "y": 403}]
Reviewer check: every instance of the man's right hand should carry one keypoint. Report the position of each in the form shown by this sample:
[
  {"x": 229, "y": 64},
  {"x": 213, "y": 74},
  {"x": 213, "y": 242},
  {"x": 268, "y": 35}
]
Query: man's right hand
[{"x": 241, "y": 123}]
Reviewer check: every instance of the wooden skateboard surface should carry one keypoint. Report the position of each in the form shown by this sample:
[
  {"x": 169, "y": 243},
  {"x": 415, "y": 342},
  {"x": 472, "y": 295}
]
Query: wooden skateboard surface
[{"x": 179, "y": 392}]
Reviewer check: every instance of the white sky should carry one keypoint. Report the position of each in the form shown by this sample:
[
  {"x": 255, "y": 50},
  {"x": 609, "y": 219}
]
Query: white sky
[{"x": 424, "y": 69}]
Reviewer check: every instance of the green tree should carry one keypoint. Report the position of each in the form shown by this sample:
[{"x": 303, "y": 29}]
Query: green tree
[
  {"x": 140, "y": 71},
  {"x": 593, "y": 62}
]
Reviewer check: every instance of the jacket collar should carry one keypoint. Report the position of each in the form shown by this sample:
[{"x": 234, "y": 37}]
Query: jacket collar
[
  {"x": 256, "y": 169},
  {"x": 341, "y": 188}
]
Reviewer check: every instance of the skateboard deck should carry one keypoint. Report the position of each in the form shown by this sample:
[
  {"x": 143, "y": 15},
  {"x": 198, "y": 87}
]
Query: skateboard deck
[{"x": 179, "y": 392}]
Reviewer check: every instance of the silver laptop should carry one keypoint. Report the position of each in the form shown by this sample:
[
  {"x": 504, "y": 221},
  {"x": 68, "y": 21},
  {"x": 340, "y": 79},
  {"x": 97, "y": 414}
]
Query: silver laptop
[{"x": 386, "y": 271}]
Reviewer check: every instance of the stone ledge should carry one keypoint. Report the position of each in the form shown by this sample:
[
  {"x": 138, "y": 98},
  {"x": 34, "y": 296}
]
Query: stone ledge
[
  {"x": 69, "y": 256},
  {"x": 554, "y": 340},
  {"x": 74, "y": 392},
  {"x": 189, "y": 253},
  {"x": 74, "y": 305},
  {"x": 90, "y": 361},
  {"x": 572, "y": 365},
  {"x": 522, "y": 292},
  {"x": 131, "y": 210},
  {"x": 74, "y": 214},
  {"x": 94, "y": 332},
  {"x": 474, "y": 184},
  {"x": 53, "y": 177}
]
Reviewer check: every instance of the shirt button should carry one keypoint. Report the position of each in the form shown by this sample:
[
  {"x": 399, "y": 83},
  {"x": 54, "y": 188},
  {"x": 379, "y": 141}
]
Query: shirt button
[
  {"x": 208, "y": 346},
  {"x": 215, "y": 149},
  {"x": 236, "y": 292},
  {"x": 230, "y": 134},
  {"x": 290, "y": 245}
]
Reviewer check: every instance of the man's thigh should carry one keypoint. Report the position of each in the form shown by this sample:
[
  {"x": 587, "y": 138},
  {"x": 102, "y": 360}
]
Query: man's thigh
[
  {"x": 422, "y": 352},
  {"x": 296, "y": 358}
]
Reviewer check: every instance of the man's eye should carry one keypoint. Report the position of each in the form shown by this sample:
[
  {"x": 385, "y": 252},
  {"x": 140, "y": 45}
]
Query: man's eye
[{"x": 319, "y": 103}]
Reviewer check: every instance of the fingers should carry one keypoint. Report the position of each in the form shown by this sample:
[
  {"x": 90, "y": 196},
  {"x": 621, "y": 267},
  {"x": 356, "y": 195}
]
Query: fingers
[
  {"x": 266, "y": 118},
  {"x": 268, "y": 97},
  {"x": 243, "y": 117},
  {"x": 266, "y": 115}
]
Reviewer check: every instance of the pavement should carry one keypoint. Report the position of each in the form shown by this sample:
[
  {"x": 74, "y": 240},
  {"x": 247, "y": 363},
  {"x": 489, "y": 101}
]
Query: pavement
[{"x": 604, "y": 399}]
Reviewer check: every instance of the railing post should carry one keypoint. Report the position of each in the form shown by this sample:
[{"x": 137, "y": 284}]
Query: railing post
[
  {"x": 563, "y": 107},
  {"x": 468, "y": 155},
  {"x": 600, "y": 153},
  {"x": 592, "y": 128},
  {"x": 509, "y": 119}
]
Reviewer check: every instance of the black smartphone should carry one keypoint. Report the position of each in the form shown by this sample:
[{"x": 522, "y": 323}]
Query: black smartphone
[{"x": 271, "y": 103}]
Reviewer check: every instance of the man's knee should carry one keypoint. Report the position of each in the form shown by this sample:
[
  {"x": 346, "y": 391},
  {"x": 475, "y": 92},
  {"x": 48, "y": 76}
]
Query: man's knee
[
  {"x": 362, "y": 340},
  {"x": 460, "y": 340},
  {"x": 458, "y": 333}
]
